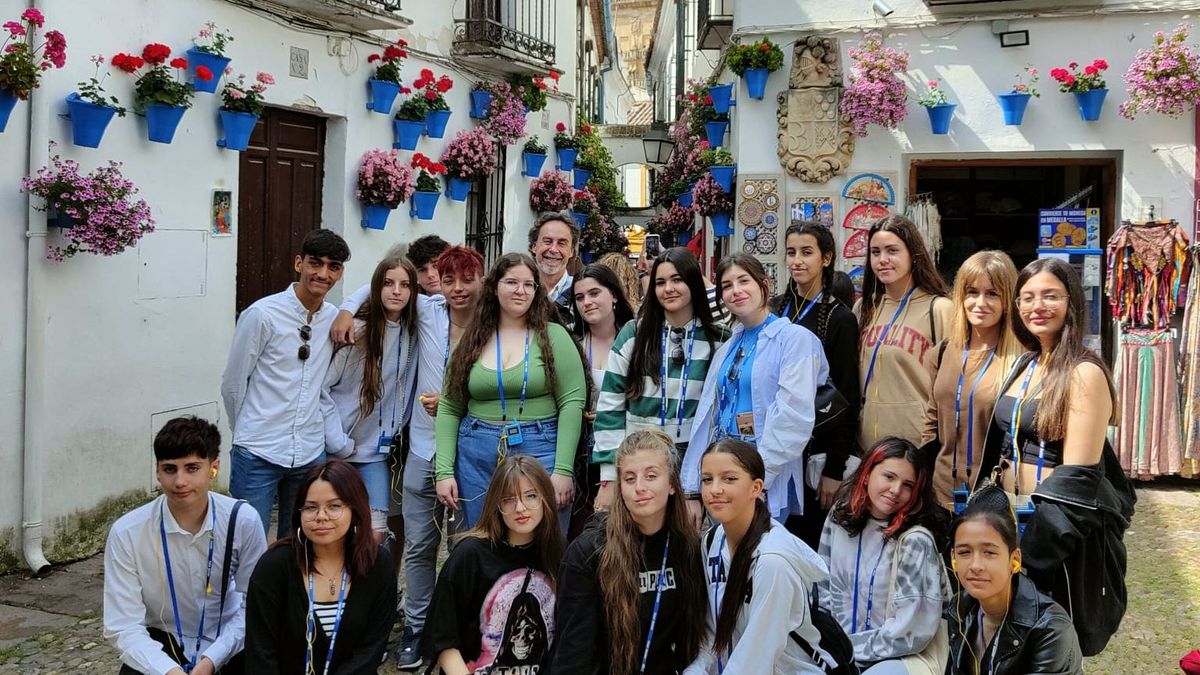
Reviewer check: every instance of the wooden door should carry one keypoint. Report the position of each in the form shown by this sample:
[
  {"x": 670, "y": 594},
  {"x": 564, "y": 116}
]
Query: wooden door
[{"x": 279, "y": 199}]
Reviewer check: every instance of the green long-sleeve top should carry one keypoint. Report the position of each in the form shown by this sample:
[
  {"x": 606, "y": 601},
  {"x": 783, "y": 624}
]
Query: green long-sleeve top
[{"x": 564, "y": 404}]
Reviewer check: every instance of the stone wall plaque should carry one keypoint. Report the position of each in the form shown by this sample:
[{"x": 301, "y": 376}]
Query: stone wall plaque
[{"x": 815, "y": 142}]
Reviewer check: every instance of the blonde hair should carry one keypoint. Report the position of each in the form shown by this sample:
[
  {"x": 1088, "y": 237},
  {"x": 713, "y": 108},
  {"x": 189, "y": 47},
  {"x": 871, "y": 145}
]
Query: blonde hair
[
  {"x": 620, "y": 265},
  {"x": 1000, "y": 271}
]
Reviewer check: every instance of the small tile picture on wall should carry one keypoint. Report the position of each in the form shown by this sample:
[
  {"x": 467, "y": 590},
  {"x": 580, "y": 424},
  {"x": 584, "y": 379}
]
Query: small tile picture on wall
[{"x": 221, "y": 217}]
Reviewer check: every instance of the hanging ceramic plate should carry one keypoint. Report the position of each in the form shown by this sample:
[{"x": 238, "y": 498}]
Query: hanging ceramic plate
[
  {"x": 770, "y": 218},
  {"x": 748, "y": 247},
  {"x": 765, "y": 242},
  {"x": 750, "y": 233},
  {"x": 750, "y": 212},
  {"x": 862, "y": 216},
  {"x": 749, "y": 188},
  {"x": 768, "y": 186},
  {"x": 856, "y": 245},
  {"x": 869, "y": 187},
  {"x": 772, "y": 201}
]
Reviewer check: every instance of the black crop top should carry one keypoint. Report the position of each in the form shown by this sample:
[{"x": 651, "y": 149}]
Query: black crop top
[{"x": 1030, "y": 443}]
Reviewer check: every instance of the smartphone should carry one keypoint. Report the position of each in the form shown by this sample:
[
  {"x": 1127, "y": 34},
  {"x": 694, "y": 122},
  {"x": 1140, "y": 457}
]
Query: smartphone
[{"x": 652, "y": 248}]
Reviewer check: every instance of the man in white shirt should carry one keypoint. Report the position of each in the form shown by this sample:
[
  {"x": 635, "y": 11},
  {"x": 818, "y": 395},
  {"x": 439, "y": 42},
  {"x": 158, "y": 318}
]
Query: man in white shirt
[
  {"x": 552, "y": 243},
  {"x": 272, "y": 383},
  {"x": 175, "y": 577}
]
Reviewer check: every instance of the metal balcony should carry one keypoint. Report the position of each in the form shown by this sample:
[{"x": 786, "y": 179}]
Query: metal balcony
[
  {"x": 714, "y": 24},
  {"x": 362, "y": 15},
  {"x": 515, "y": 36}
]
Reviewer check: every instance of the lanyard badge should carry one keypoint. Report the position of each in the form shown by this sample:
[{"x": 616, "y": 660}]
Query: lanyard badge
[{"x": 511, "y": 434}]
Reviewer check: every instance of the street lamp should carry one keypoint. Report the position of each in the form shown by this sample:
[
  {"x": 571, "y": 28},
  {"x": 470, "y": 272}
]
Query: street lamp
[{"x": 658, "y": 144}]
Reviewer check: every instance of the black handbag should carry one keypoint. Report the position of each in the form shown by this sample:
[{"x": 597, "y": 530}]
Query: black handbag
[{"x": 830, "y": 407}]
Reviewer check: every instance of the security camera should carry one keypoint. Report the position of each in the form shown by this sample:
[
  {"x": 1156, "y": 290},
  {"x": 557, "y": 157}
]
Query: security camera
[{"x": 882, "y": 8}]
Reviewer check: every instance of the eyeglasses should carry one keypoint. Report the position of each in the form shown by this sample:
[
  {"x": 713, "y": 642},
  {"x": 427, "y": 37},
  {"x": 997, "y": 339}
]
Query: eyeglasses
[
  {"x": 332, "y": 511},
  {"x": 306, "y": 335},
  {"x": 531, "y": 500},
  {"x": 1048, "y": 300},
  {"x": 511, "y": 285}
]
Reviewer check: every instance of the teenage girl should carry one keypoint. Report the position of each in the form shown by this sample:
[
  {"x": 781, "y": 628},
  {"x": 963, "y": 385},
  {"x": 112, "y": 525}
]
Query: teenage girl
[{"x": 902, "y": 316}]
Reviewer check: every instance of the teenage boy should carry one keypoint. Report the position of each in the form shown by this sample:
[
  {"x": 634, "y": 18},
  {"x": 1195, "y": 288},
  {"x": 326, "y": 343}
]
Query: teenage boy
[
  {"x": 422, "y": 253},
  {"x": 176, "y": 570},
  {"x": 272, "y": 384},
  {"x": 552, "y": 242}
]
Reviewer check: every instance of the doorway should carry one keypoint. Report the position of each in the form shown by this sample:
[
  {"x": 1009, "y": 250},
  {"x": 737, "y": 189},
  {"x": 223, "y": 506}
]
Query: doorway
[{"x": 279, "y": 199}]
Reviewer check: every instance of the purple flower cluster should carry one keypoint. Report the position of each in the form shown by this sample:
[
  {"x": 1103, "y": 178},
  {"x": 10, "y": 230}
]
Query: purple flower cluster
[
  {"x": 238, "y": 96},
  {"x": 1165, "y": 78},
  {"x": 107, "y": 218},
  {"x": 22, "y": 60},
  {"x": 875, "y": 94},
  {"x": 708, "y": 198},
  {"x": 677, "y": 219},
  {"x": 470, "y": 155},
  {"x": 383, "y": 179},
  {"x": 506, "y": 118},
  {"x": 551, "y": 192},
  {"x": 602, "y": 235}
]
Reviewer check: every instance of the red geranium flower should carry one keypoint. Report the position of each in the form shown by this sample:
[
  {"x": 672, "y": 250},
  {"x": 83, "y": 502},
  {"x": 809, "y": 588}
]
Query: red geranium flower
[
  {"x": 420, "y": 161},
  {"x": 372, "y": 58},
  {"x": 128, "y": 63},
  {"x": 542, "y": 86},
  {"x": 1069, "y": 79},
  {"x": 708, "y": 99},
  {"x": 203, "y": 73},
  {"x": 392, "y": 53},
  {"x": 444, "y": 84},
  {"x": 763, "y": 47},
  {"x": 179, "y": 62},
  {"x": 554, "y": 76},
  {"x": 1090, "y": 70},
  {"x": 580, "y": 194},
  {"x": 426, "y": 74},
  {"x": 420, "y": 84},
  {"x": 402, "y": 42},
  {"x": 1059, "y": 74},
  {"x": 156, "y": 53},
  {"x": 405, "y": 90},
  {"x": 560, "y": 127},
  {"x": 587, "y": 128},
  {"x": 431, "y": 95},
  {"x": 1072, "y": 65},
  {"x": 1100, "y": 64},
  {"x": 439, "y": 168}
]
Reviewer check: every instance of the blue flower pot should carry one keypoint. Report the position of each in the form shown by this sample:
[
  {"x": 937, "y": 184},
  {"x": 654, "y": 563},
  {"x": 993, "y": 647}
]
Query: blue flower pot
[
  {"x": 56, "y": 218},
  {"x": 458, "y": 188},
  {"x": 215, "y": 63},
  {"x": 756, "y": 82},
  {"x": 684, "y": 199},
  {"x": 566, "y": 158},
  {"x": 435, "y": 123},
  {"x": 588, "y": 257},
  {"x": 375, "y": 216},
  {"x": 162, "y": 120},
  {"x": 424, "y": 204},
  {"x": 1090, "y": 103},
  {"x": 238, "y": 126},
  {"x": 721, "y": 226},
  {"x": 940, "y": 116},
  {"x": 721, "y": 93},
  {"x": 383, "y": 95},
  {"x": 723, "y": 175},
  {"x": 582, "y": 176},
  {"x": 481, "y": 103},
  {"x": 88, "y": 121},
  {"x": 407, "y": 134},
  {"x": 7, "y": 102},
  {"x": 533, "y": 163},
  {"x": 580, "y": 219},
  {"x": 716, "y": 132},
  {"x": 1013, "y": 106},
  {"x": 683, "y": 238}
]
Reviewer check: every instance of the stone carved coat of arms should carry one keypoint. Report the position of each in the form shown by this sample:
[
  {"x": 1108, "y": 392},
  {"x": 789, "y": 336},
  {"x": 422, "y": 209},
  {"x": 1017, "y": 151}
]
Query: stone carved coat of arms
[{"x": 815, "y": 142}]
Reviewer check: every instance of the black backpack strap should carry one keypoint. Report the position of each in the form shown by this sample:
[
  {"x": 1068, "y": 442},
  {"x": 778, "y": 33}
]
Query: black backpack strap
[
  {"x": 228, "y": 558},
  {"x": 812, "y": 653}
]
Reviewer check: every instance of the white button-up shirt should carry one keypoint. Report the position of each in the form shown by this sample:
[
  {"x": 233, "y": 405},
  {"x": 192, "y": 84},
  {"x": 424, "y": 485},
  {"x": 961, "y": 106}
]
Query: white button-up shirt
[
  {"x": 272, "y": 398},
  {"x": 137, "y": 597}
]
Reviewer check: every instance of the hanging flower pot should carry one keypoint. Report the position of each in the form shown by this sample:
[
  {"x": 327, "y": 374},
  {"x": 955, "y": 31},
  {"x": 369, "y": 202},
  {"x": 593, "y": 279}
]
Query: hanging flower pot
[
  {"x": 88, "y": 120},
  {"x": 375, "y": 216},
  {"x": 383, "y": 95},
  {"x": 423, "y": 204},
  {"x": 721, "y": 226},
  {"x": 683, "y": 238},
  {"x": 1090, "y": 102},
  {"x": 684, "y": 199},
  {"x": 238, "y": 126},
  {"x": 533, "y": 163},
  {"x": 162, "y": 120},
  {"x": 588, "y": 257},
  {"x": 716, "y": 132},
  {"x": 723, "y": 175},
  {"x": 940, "y": 116},
  {"x": 580, "y": 219},
  {"x": 7, "y": 102},
  {"x": 408, "y": 133},
  {"x": 756, "y": 82},
  {"x": 435, "y": 123},
  {"x": 458, "y": 188},
  {"x": 481, "y": 103},
  {"x": 1013, "y": 106},
  {"x": 582, "y": 176},
  {"x": 566, "y": 158},
  {"x": 216, "y": 64},
  {"x": 721, "y": 93},
  {"x": 56, "y": 218}
]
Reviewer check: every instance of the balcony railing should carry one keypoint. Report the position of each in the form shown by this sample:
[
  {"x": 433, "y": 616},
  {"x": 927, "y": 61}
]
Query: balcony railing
[
  {"x": 363, "y": 15},
  {"x": 508, "y": 29},
  {"x": 714, "y": 23}
]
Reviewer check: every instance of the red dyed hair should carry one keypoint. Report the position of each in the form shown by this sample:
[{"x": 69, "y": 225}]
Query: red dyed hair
[
  {"x": 459, "y": 261},
  {"x": 851, "y": 511}
]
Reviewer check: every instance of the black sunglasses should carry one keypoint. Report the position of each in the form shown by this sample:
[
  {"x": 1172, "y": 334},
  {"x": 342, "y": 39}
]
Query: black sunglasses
[{"x": 306, "y": 335}]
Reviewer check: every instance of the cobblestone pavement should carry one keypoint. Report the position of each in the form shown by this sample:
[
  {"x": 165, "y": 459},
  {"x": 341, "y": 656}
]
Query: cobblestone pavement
[{"x": 52, "y": 625}]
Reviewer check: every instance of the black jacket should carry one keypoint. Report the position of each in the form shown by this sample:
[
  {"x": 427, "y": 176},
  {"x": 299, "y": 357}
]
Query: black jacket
[
  {"x": 837, "y": 329},
  {"x": 1036, "y": 636}
]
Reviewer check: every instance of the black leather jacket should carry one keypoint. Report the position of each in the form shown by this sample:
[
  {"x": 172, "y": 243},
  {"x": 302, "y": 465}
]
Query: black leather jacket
[{"x": 1036, "y": 637}]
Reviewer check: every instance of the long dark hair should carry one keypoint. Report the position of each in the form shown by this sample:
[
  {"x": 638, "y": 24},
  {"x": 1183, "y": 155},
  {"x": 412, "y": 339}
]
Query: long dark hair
[
  {"x": 924, "y": 274},
  {"x": 737, "y": 581},
  {"x": 622, "y": 559},
  {"x": 603, "y": 275},
  {"x": 374, "y": 330},
  {"x": 541, "y": 313},
  {"x": 1068, "y": 351},
  {"x": 647, "y": 342},
  {"x": 825, "y": 244},
  {"x": 851, "y": 509},
  {"x": 359, "y": 543}
]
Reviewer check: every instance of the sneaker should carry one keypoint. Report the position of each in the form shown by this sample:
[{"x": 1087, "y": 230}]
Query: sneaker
[{"x": 407, "y": 656}]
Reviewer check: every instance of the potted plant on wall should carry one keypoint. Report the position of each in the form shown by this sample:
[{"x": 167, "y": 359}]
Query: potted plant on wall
[
  {"x": 471, "y": 155},
  {"x": 428, "y": 187},
  {"x": 1164, "y": 79},
  {"x": 721, "y": 96},
  {"x": 940, "y": 110},
  {"x": 583, "y": 206},
  {"x": 383, "y": 184},
  {"x": 22, "y": 61},
  {"x": 208, "y": 50},
  {"x": 715, "y": 124},
  {"x": 1013, "y": 103},
  {"x": 565, "y": 146},
  {"x": 437, "y": 111},
  {"x": 532, "y": 90},
  {"x": 710, "y": 199},
  {"x": 409, "y": 122},
  {"x": 600, "y": 235},
  {"x": 158, "y": 93},
  {"x": 754, "y": 62},
  {"x": 97, "y": 212},
  {"x": 875, "y": 95},
  {"x": 585, "y": 164},
  {"x": 549, "y": 193},
  {"x": 481, "y": 100},
  {"x": 505, "y": 119},
  {"x": 534, "y": 156},
  {"x": 1087, "y": 85},
  {"x": 242, "y": 104},
  {"x": 674, "y": 225},
  {"x": 385, "y": 84},
  {"x": 91, "y": 110},
  {"x": 720, "y": 166}
]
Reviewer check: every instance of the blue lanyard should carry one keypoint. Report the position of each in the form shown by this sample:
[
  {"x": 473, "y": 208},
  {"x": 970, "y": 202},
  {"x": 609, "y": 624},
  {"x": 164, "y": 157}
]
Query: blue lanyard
[
  {"x": 312, "y": 628},
  {"x": 396, "y": 397},
  {"x": 683, "y": 381},
  {"x": 883, "y": 338},
  {"x": 1014, "y": 431},
  {"x": 662, "y": 572},
  {"x": 870, "y": 590},
  {"x": 500, "y": 379},
  {"x": 787, "y": 311},
  {"x": 717, "y": 603},
  {"x": 446, "y": 357},
  {"x": 738, "y": 358},
  {"x": 970, "y": 414},
  {"x": 162, "y": 531}
]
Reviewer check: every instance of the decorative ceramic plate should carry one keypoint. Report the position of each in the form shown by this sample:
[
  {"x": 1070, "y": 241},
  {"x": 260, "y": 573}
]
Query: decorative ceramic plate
[
  {"x": 749, "y": 247},
  {"x": 750, "y": 212},
  {"x": 770, "y": 218},
  {"x": 765, "y": 242},
  {"x": 750, "y": 233},
  {"x": 772, "y": 201},
  {"x": 749, "y": 188},
  {"x": 768, "y": 186}
]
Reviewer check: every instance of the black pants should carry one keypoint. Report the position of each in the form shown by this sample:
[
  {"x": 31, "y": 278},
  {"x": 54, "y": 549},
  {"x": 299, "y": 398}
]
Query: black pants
[{"x": 235, "y": 666}]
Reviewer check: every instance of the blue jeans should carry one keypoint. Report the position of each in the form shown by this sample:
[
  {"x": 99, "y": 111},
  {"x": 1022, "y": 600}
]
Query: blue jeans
[
  {"x": 476, "y": 460},
  {"x": 377, "y": 478},
  {"x": 258, "y": 481},
  {"x": 423, "y": 517}
]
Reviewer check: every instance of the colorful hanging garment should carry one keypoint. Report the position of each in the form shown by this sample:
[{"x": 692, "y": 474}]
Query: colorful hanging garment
[
  {"x": 1189, "y": 374},
  {"x": 1148, "y": 269},
  {"x": 1148, "y": 439}
]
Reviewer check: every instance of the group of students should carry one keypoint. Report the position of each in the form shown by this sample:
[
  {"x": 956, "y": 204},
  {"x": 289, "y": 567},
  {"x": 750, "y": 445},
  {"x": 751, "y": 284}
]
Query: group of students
[{"x": 816, "y": 464}]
